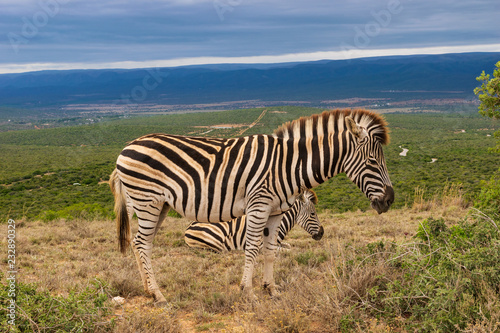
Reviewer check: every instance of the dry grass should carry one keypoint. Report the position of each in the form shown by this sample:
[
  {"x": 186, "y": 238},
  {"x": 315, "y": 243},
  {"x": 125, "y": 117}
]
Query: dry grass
[
  {"x": 202, "y": 288},
  {"x": 450, "y": 197}
]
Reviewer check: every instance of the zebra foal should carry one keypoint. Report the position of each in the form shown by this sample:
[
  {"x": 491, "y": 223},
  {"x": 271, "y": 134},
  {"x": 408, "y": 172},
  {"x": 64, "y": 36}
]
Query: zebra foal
[
  {"x": 216, "y": 180},
  {"x": 228, "y": 236}
]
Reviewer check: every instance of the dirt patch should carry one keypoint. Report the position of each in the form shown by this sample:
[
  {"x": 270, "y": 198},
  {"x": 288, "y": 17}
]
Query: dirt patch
[{"x": 219, "y": 126}]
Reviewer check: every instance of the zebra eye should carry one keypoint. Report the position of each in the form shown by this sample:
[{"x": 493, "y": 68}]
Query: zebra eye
[{"x": 372, "y": 161}]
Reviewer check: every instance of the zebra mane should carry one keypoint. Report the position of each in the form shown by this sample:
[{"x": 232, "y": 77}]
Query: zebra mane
[{"x": 374, "y": 123}]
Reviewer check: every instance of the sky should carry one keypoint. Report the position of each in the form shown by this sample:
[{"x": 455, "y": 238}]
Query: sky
[{"x": 87, "y": 34}]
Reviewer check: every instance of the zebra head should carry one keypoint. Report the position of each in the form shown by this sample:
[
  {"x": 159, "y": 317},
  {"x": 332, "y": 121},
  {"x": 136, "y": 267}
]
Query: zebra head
[
  {"x": 306, "y": 214},
  {"x": 365, "y": 164}
]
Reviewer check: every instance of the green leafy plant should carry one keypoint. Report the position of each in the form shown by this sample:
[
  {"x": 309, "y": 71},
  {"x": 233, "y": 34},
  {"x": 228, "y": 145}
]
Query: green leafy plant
[
  {"x": 448, "y": 277},
  {"x": 488, "y": 200},
  {"x": 81, "y": 311},
  {"x": 77, "y": 211},
  {"x": 489, "y": 95},
  {"x": 311, "y": 258}
]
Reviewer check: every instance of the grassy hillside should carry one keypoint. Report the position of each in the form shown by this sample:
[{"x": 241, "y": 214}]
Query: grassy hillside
[{"x": 61, "y": 172}]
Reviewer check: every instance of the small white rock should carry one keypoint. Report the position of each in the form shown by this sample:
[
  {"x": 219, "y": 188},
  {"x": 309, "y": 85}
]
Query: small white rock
[{"x": 119, "y": 300}]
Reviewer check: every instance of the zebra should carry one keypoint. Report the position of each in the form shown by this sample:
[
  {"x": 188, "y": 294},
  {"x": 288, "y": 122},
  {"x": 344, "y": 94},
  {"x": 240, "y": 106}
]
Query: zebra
[
  {"x": 216, "y": 180},
  {"x": 228, "y": 236}
]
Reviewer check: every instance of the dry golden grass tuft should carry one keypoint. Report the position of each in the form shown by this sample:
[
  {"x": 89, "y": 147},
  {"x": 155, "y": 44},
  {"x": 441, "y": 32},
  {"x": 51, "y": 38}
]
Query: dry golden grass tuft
[
  {"x": 317, "y": 284},
  {"x": 451, "y": 197}
]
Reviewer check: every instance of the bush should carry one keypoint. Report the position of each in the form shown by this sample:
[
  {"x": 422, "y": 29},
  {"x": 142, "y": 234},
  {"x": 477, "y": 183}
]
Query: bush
[
  {"x": 447, "y": 280},
  {"x": 488, "y": 199},
  {"x": 311, "y": 258},
  {"x": 77, "y": 211},
  {"x": 81, "y": 311}
]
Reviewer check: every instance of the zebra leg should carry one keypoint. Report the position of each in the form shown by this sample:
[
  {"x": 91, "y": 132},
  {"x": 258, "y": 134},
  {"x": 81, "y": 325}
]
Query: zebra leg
[
  {"x": 142, "y": 245},
  {"x": 162, "y": 217},
  {"x": 257, "y": 216},
  {"x": 269, "y": 251},
  {"x": 130, "y": 211}
]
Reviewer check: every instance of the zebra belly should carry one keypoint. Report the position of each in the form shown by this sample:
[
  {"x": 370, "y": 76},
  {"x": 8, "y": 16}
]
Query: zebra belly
[{"x": 209, "y": 210}]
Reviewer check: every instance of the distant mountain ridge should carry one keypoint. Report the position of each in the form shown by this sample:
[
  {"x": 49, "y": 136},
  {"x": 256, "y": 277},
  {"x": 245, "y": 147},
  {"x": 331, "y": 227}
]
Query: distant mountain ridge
[{"x": 433, "y": 76}]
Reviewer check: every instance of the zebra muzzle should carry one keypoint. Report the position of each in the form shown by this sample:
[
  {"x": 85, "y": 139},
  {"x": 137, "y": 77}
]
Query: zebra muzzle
[
  {"x": 319, "y": 235},
  {"x": 382, "y": 205}
]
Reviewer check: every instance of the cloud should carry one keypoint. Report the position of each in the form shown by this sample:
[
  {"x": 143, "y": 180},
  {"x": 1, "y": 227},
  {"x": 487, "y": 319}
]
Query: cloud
[
  {"x": 263, "y": 59},
  {"x": 92, "y": 32}
]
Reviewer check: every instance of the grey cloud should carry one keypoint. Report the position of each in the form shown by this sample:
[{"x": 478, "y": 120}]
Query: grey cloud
[{"x": 117, "y": 30}]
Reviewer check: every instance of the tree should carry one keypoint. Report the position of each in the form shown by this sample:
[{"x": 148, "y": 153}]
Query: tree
[{"x": 489, "y": 95}]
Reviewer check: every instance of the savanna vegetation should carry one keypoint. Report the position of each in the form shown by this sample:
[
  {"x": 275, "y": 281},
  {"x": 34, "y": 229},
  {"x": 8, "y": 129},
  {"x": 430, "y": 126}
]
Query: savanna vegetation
[
  {"x": 431, "y": 264},
  {"x": 62, "y": 172}
]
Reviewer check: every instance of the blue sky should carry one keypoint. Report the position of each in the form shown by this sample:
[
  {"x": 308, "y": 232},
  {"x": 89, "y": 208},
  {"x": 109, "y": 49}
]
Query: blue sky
[{"x": 65, "y": 34}]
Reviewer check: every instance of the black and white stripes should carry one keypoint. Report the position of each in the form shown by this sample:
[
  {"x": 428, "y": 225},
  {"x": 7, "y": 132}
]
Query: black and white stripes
[
  {"x": 229, "y": 236},
  {"x": 216, "y": 180}
]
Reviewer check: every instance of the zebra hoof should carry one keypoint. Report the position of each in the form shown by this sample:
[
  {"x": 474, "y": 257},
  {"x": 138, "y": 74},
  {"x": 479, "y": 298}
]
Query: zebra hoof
[
  {"x": 160, "y": 304},
  {"x": 159, "y": 300},
  {"x": 276, "y": 296},
  {"x": 250, "y": 297},
  {"x": 272, "y": 290},
  {"x": 248, "y": 294}
]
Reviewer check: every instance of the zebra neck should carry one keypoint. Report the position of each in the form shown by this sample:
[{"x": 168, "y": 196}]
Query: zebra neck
[
  {"x": 312, "y": 160},
  {"x": 287, "y": 223}
]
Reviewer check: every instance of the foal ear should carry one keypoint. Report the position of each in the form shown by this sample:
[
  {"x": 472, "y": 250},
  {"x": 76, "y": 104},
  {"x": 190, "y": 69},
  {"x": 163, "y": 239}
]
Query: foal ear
[
  {"x": 356, "y": 130},
  {"x": 301, "y": 197}
]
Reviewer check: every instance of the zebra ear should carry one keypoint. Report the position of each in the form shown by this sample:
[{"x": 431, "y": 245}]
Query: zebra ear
[
  {"x": 301, "y": 197},
  {"x": 356, "y": 130},
  {"x": 352, "y": 126}
]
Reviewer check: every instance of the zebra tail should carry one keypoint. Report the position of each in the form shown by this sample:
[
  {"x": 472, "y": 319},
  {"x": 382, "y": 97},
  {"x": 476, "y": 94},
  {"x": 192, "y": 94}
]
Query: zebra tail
[{"x": 122, "y": 220}]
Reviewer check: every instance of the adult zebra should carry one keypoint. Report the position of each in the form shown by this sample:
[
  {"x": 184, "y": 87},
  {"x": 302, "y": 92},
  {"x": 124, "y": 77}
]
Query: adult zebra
[
  {"x": 228, "y": 236},
  {"x": 216, "y": 180}
]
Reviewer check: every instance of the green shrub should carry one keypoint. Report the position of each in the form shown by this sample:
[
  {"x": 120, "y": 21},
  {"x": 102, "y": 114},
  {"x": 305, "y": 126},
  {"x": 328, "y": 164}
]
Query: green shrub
[
  {"x": 447, "y": 280},
  {"x": 81, "y": 311},
  {"x": 311, "y": 258},
  {"x": 488, "y": 199},
  {"x": 48, "y": 215},
  {"x": 77, "y": 211}
]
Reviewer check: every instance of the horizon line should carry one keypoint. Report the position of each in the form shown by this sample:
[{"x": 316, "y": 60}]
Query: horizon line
[{"x": 346, "y": 54}]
